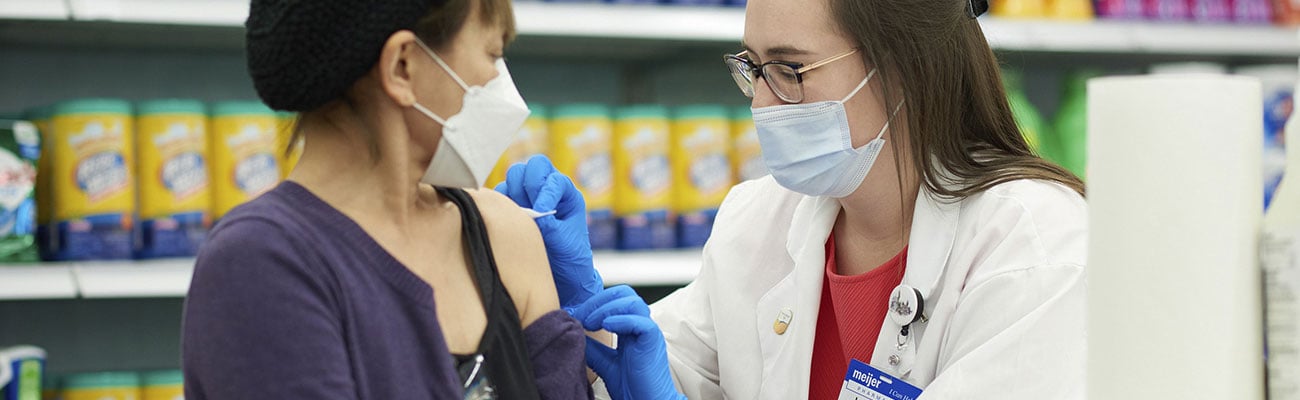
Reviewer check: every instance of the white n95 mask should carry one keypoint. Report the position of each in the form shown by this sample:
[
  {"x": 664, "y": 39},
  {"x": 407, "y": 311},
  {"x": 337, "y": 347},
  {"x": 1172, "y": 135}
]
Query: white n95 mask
[
  {"x": 474, "y": 139},
  {"x": 809, "y": 149}
]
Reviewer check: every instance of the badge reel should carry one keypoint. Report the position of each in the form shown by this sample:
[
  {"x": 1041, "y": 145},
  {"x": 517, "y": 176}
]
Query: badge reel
[{"x": 906, "y": 307}]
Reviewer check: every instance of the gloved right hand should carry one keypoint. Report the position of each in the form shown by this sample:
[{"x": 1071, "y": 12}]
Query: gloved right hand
[
  {"x": 638, "y": 369},
  {"x": 539, "y": 186}
]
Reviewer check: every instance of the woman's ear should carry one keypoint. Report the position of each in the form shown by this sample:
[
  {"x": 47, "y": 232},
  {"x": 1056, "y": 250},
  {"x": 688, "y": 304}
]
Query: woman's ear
[{"x": 396, "y": 69}]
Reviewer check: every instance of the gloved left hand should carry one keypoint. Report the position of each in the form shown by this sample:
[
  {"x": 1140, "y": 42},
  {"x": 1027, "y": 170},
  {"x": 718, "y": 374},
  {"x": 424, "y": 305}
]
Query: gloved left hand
[
  {"x": 638, "y": 369},
  {"x": 539, "y": 186}
]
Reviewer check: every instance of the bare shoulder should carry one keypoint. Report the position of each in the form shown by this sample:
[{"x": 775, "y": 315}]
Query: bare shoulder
[{"x": 520, "y": 254}]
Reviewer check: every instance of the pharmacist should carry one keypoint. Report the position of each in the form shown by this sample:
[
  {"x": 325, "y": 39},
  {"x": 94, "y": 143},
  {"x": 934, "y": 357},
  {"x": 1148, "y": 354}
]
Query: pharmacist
[{"x": 906, "y": 225}]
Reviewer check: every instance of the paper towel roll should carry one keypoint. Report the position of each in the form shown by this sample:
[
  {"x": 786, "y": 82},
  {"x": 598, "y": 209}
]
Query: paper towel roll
[{"x": 1174, "y": 197}]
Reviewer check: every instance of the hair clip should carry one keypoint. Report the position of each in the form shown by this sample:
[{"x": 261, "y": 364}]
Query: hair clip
[{"x": 975, "y": 8}]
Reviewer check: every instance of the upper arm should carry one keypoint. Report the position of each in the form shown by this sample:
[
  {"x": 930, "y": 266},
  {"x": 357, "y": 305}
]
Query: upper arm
[
  {"x": 1018, "y": 335},
  {"x": 520, "y": 255},
  {"x": 259, "y": 323}
]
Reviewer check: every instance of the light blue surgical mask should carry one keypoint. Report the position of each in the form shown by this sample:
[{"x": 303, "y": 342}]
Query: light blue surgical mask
[{"x": 809, "y": 149}]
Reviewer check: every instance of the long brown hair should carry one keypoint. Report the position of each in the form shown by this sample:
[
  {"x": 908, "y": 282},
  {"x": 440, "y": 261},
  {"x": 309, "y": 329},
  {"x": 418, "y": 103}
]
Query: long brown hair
[{"x": 963, "y": 137}]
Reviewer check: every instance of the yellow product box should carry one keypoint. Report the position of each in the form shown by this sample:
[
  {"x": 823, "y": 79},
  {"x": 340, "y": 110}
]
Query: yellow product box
[
  {"x": 701, "y": 144},
  {"x": 172, "y": 175},
  {"x": 102, "y": 386},
  {"x": 532, "y": 140},
  {"x": 746, "y": 153},
  {"x": 92, "y": 184},
  {"x": 643, "y": 178},
  {"x": 286, "y": 124},
  {"x": 163, "y": 385},
  {"x": 243, "y": 152},
  {"x": 92, "y": 158},
  {"x": 580, "y": 136},
  {"x": 701, "y": 136}
]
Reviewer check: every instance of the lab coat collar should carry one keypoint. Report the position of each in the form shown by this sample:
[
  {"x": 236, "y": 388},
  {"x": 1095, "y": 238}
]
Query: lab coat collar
[{"x": 934, "y": 227}]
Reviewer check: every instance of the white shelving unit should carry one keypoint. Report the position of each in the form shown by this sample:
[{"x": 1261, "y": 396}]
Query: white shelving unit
[
  {"x": 154, "y": 278},
  {"x": 659, "y": 268},
  {"x": 37, "y": 282},
  {"x": 171, "y": 278},
  {"x": 719, "y": 25},
  {"x": 34, "y": 9}
]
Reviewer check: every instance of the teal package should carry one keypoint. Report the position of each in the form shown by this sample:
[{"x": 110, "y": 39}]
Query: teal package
[{"x": 19, "y": 152}]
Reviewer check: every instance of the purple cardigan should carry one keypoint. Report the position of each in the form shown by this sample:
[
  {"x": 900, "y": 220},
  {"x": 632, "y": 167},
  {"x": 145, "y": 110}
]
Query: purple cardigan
[{"x": 293, "y": 300}]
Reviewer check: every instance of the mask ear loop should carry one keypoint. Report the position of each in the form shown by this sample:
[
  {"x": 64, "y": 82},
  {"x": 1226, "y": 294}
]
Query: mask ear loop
[
  {"x": 881, "y": 135},
  {"x": 442, "y": 64},
  {"x": 428, "y": 113},
  {"x": 451, "y": 73},
  {"x": 860, "y": 85}
]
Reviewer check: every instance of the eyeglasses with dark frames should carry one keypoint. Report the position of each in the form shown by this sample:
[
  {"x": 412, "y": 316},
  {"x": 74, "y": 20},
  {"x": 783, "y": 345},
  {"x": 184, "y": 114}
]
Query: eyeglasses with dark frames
[{"x": 783, "y": 77}]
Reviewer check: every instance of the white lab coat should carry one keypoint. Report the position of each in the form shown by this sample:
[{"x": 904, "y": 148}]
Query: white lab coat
[{"x": 1001, "y": 274}]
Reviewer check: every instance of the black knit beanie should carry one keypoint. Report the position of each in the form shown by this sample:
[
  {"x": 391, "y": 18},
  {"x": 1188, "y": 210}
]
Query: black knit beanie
[{"x": 303, "y": 54}]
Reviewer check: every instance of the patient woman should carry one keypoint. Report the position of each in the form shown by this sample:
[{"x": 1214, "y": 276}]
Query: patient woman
[{"x": 370, "y": 273}]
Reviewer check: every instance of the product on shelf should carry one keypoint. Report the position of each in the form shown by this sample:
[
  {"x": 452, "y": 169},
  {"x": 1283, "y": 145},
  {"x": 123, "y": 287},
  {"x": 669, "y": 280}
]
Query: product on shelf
[
  {"x": 19, "y": 153},
  {"x": 1167, "y": 10},
  {"x": 531, "y": 140},
  {"x": 22, "y": 370},
  {"x": 701, "y": 137},
  {"x": 242, "y": 152},
  {"x": 1027, "y": 117},
  {"x": 1280, "y": 261},
  {"x": 1286, "y": 12},
  {"x": 102, "y": 386},
  {"x": 746, "y": 153},
  {"x": 1277, "y": 83},
  {"x": 91, "y": 180},
  {"x": 580, "y": 148},
  {"x": 286, "y": 124},
  {"x": 172, "y": 175},
  {"x": 1070, "y": 127},
  {"x": 1252, "y": 11},
  {"x": 41, "y": 116},
  {"x": 643, "y": 178},
  {"x": 1119, "y": 9},
  {"x": 163, "y": 385},
  {"x": 1020, "y": 8},
  {"x": 1211, "y": 10},
  {"x": 1073, "y": 10}
]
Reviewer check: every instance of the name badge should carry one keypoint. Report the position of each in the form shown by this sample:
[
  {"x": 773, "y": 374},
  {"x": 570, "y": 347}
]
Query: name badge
[{"x": 864, "y": 382}]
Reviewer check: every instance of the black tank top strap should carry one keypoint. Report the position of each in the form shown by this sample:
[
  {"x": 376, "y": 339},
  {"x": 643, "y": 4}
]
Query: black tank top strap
[{"x": 505, "y": 361}]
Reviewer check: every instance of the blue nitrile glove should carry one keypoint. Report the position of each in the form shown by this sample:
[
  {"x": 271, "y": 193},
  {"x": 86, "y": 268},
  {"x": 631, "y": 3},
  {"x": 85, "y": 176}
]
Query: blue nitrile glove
[
  {"x": 537, "y": 185},
  {"x": 638, "y": 369}
]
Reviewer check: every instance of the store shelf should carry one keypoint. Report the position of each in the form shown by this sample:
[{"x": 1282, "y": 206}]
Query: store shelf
[
  {"x": 160, "y": 278},
  {"x": 628, "y": 21},
  {"x": 1141, "y": 37},
  {"x": 36, "y": 282},
  {"x": 671, "y": 268},
  {"x": 171, "y": 278},
  {"x": 708, "y": 25},
  {"x": 170, "y": 12},
  {"x": 34, "y": 9}
]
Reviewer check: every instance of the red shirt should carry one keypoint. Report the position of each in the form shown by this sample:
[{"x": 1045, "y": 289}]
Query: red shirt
[{"x": 852, "y": 309}]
